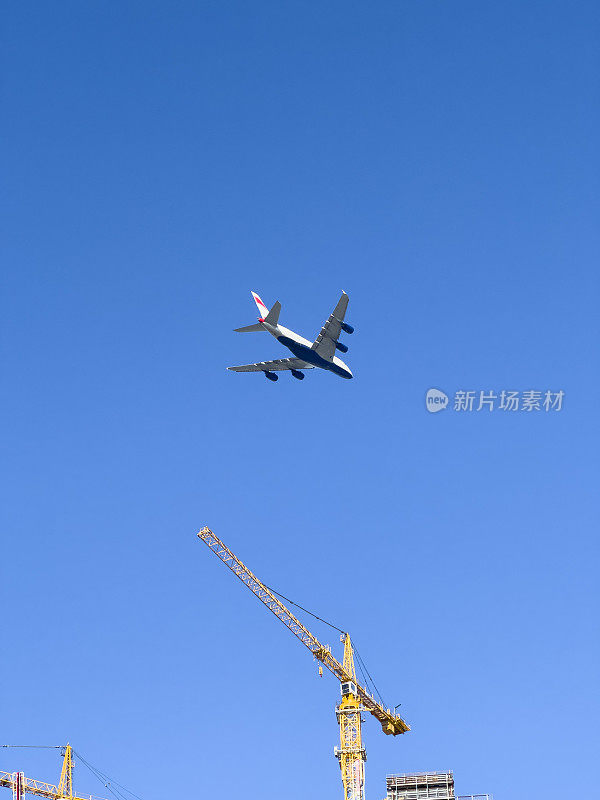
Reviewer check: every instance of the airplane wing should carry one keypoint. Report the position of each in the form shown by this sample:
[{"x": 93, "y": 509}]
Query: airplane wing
[
  {"x": 330, "y": 332},
  {"x": 273, "y": 366}
]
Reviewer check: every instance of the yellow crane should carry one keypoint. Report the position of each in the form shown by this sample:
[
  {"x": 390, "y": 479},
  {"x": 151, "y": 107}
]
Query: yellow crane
[
  {"x": 355, "y": 698},
  {"x": 64, "y": 791}
]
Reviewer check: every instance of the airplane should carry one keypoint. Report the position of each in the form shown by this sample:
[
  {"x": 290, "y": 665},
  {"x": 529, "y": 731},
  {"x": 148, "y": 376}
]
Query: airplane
[{"x": 307, "y": 355}]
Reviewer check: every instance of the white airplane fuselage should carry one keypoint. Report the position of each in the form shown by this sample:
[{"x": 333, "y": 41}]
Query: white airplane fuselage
[{"x": 302, "y": 348}]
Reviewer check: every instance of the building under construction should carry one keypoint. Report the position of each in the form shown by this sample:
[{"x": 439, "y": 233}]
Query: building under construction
[{"x": 426, "y": 786}]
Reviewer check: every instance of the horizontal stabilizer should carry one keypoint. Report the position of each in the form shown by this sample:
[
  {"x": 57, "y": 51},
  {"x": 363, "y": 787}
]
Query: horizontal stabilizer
[
  {"x": 250, "y": 328},
  {"x": 273, "y": 316}
]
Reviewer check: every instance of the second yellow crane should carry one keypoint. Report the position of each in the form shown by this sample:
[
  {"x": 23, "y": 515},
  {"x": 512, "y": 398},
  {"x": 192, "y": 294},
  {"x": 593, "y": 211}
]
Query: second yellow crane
[
  {"x": 21, "y": 785},
  {"x": 355, "y": 698}
]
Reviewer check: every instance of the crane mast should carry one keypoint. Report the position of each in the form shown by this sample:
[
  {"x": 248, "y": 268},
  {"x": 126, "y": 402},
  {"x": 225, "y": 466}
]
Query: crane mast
[
  {"x": 65, "y": 785},
  {"x": 355, "y": 698},
  {"x": 351, "y": 754}
]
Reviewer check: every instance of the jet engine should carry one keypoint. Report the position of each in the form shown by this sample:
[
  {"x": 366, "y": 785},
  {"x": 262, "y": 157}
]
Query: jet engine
[
  {"x": 347, "y": 328},
  {"x": 271, "y": 375},
  {"x": 297, "y": 374},
  {"x": 341, "y": 347}
]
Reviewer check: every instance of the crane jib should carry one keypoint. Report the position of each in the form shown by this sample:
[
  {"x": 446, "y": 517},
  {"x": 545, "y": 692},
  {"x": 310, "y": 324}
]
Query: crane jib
[{"x": 391, "y": 723}]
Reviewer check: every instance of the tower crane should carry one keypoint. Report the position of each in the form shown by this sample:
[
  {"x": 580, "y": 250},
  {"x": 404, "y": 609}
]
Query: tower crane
[
  {"x": 355, "y": 698},
  {"x": 21, "y": 785}
]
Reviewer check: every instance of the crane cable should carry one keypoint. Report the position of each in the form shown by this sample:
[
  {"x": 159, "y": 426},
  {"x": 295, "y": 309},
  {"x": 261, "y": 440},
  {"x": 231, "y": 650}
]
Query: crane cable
[
  {"x": 287, "y": 599},
  {"x": 361, "y": 664},
  {"x": 108, "y": 782}
]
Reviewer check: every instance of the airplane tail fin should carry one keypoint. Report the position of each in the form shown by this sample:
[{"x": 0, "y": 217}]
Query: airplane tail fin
[
  {"x": 262, "y": 309},
  {"x": 271, "y": 316}
]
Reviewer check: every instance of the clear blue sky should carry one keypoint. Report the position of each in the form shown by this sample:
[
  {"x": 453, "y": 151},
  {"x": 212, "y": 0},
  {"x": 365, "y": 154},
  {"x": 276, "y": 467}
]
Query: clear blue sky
[{"x": 439, "y": 162}]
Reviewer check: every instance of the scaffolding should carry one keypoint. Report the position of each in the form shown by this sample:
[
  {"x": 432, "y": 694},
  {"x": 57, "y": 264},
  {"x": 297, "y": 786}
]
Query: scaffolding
[
  {"x": 426, "y": 786},
  {"x": 421, "y": 786}
]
